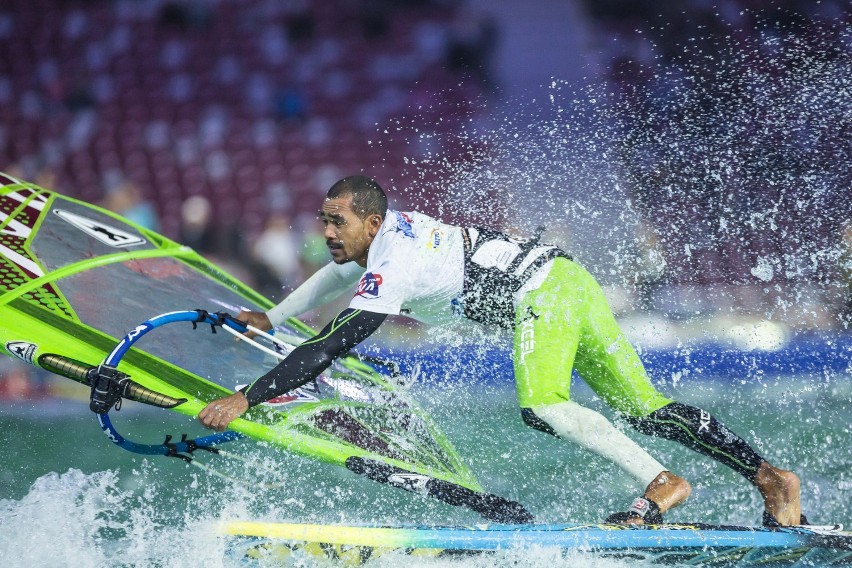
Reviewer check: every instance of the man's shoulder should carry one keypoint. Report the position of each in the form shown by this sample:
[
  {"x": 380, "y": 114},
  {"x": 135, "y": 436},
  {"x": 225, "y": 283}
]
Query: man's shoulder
[
  {"x": 401, "y": 223},
  {"x": 410, "y": 223},
  {"x": 406, "y": 235}
]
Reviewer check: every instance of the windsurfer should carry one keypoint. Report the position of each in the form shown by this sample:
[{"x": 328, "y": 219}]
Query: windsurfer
[{"x": 411, "y": 264}]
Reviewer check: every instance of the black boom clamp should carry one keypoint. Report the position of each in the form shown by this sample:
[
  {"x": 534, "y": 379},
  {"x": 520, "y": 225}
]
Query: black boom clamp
[{"x": 108, "y": 386}]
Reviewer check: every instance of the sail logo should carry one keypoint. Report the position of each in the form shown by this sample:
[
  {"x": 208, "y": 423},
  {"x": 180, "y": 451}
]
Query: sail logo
[
  {"x": 409, "y": 481},
  {"x": 23, "y": 350},
  {"x": 27, "y": 206},
  {"x": 14, "y": 228},
  {"x": 20, "y": 228},
  {"x": 107, "y": 234},
  {"x": 368, "y": 287},
  {"x": 305, "y": 393},
  {"x": 33, "y": 200}
]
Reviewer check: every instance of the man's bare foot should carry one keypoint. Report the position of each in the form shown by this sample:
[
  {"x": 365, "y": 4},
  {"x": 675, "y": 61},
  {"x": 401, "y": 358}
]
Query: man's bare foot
[
  {"x": 667, "y": 490},
  {"x": 780, "y": 490}
]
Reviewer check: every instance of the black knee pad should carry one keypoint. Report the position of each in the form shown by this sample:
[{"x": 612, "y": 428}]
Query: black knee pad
[{"x": 533, "y": 421}]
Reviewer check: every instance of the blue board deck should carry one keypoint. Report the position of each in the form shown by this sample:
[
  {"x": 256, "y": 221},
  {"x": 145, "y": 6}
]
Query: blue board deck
[{"x": 695, "y": 543}]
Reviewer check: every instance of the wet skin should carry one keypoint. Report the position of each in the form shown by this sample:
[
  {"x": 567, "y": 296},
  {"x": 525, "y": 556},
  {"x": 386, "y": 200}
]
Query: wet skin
[
  {"x": 348, "y": 238},
  {"x": 347, "y": 235}
]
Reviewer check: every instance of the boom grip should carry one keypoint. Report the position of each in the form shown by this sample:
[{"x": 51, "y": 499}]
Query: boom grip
[
  {"x": 135, "y": 391},
  {"x": 66, "y": 367},
  {"x": 88, "y": 374}
]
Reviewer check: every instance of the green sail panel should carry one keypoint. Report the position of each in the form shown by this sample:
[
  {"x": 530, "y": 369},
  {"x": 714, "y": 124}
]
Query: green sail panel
[{"x": 75, "y": 278}]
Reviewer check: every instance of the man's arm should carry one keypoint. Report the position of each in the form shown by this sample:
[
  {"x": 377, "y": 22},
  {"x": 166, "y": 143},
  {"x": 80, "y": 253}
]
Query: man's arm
[
  {"x": 326, "y": 284},
  {"x": 302, "y": 365}
]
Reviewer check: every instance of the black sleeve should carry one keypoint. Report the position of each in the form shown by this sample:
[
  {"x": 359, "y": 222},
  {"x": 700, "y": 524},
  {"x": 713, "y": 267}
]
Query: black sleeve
[{"x": 312, "y": 357}]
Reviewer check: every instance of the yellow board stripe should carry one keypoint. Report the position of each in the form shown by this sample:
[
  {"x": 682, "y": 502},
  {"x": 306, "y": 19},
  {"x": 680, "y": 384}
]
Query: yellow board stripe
[{"x": 330, "y": 534}]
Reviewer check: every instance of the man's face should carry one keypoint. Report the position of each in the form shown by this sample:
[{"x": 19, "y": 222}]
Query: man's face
[{"x": 347, "y": 236}]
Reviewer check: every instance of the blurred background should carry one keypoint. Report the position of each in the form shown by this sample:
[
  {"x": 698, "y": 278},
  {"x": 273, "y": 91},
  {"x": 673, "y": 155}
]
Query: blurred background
[{"x": 694, "y": 155}]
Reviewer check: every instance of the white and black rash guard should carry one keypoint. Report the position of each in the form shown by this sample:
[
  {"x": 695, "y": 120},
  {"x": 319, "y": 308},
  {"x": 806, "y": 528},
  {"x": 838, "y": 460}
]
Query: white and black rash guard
[{"x": 418, "y": 267}]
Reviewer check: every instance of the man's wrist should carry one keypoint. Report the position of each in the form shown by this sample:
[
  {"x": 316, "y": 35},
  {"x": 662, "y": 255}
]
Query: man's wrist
[
  {"x": 269, "y": 319},
  {"x": 244, "y": 391}
]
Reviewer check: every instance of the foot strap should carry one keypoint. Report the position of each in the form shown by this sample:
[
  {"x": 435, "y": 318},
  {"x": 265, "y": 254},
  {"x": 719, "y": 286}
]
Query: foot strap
[
  {"x": 642, "y": 508},
  {"x": 771, "y": 522}
]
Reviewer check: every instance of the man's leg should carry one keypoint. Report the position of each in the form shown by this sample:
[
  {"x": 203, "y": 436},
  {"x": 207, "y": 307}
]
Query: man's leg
[
  {"x": 546, "y": 339},
  {"x": 698, "y": 430},
  {"x": 591, "y": 430},
  {"x": 594, "y": 432},
  {"x": 611, "y": 367}
]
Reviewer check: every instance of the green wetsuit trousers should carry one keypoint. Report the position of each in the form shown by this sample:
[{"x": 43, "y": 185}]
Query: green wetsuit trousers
[{"x": 566, "y": 324}]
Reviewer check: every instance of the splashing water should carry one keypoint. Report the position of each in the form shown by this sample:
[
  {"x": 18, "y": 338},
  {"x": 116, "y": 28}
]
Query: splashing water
[
  {"x": 741, "y": 166},
  {"x": 75, "y": 519},
  {"x": 736, "y": 161},
  {"x": 163, "y": 513},
  {"x": 89, "y": 520}
]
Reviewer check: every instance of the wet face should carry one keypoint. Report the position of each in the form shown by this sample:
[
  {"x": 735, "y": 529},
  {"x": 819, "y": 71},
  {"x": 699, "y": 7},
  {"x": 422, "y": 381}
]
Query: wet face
[{"x": 347, "y": 236}]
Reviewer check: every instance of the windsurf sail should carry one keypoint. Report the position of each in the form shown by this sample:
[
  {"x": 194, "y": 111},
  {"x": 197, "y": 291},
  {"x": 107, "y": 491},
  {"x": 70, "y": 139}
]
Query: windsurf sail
[
  {"x": 672, "y": 544},
  {"x": 75, "y": 279}
]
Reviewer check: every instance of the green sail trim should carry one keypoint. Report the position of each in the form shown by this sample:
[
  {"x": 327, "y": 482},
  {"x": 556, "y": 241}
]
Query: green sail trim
[{"x": 108, "y": 292}]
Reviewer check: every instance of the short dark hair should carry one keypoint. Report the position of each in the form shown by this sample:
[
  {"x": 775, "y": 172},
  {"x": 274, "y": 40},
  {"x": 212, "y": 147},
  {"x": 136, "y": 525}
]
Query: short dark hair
[{"x": 368, "y": 197}]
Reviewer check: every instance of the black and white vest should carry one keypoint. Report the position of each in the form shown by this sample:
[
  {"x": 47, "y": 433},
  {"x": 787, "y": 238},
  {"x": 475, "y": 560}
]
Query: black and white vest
[{"x": 496, "y": 266}]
